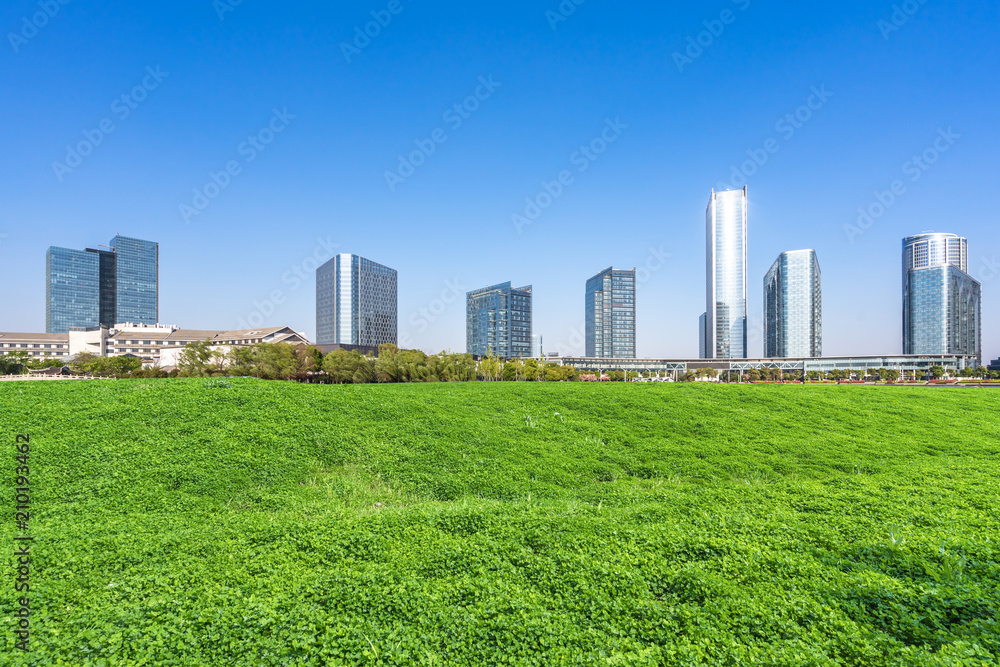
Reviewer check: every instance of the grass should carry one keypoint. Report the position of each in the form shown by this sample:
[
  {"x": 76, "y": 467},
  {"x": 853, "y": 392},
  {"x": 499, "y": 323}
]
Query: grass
[{"x": 198, "y": 522}]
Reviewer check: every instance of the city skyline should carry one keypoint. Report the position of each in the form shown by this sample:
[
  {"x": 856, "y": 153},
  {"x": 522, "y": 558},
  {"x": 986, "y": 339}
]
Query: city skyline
[{"x": 863, "y": 137}]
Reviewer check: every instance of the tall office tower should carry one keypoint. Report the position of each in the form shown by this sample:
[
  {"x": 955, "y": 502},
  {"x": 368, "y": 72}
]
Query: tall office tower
[
  {"x": 793, "y": 307},
  {"x": 725, "y": 328},
  {"x": 89, "y": 288},
  {"x": 702, "y": 335},
  {"x": 136, "y": 276},
  {"x": 942, "y": 303},
  {"x": 356, "y": 302},
  {"x": 610, "y": 313},
  {"x": 498, "y": 321}
]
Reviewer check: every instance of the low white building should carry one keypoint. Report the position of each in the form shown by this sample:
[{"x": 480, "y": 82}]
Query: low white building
[{"x": 157, "y": 345}]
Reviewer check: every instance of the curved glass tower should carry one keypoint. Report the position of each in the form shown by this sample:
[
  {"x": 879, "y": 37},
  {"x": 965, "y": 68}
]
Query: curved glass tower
[
  {"x": 724, "y": 331},
  {"x": 942, "y": 303}
]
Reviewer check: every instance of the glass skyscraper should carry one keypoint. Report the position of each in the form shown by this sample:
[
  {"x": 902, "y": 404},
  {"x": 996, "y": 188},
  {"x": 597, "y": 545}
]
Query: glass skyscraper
[
  {"x": 89, "y": 288},
  {"x": 498, "y": 321},
  {"x": 793, "y": 307},
  {"x": 136, "y": 276},
  {"x": 724, "y": 325},
  {"x": 942, "y": 303},
  {"x": 610, "y": 314},
  {"x": 356, "y": 302}
]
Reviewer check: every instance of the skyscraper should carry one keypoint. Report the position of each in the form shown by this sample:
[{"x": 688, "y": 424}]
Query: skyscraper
[
  {"x": 498, "y": 321},
  {"x": 610, "y": 315},
  {"x": 793, "y": 307},
  {"x": 356, "y": 302},
  {"x": 942, "y": 303},
  {"x": 136, "y": 275},
  {"x": 724, "y": 331},
  {"x": 88, "y": 288}
]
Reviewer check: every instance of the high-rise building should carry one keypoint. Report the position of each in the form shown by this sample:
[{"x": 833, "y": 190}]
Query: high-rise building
[
  {"x": 793, "y": 307},
  {"x": 610, "y": 315},
  {"x": 725, "y": 324},
  {"x": 89, "y": 288},
  {"x": 136, "y": 274},
  {"x": 356, "y": 302},
  {"x": 942, "y": 303},
  {"x": 498, "y": 321}
]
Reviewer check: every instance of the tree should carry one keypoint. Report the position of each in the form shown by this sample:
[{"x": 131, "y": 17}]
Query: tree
[
  {"x": 13, "y": 363},
  {"x": 490, "y": 368},
  {"x": 938, "y": 372},
  {"x": 200, "y": 359},
  {"x": 753, "y": 375},
  {"x": 813, "y": 376},
  {"x": 342, "y": 365}
]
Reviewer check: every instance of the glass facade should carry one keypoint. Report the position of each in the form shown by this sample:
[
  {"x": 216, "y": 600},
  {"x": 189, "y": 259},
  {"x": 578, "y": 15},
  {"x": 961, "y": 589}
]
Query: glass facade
[
  {"x": 942, "y": 303},
  {"x": 356, "y": 302},
  {"x": 498, "y": 321},
  {"x": 726, "y": 240},
  {"x": 136, "y": 277},
  {"x": 88, "y": 288},
  {"x": 793, "y": 307},
  {"x": 72, "y": 289},
  {"x": 610, "y": 313},
  {"x": 943, "y": 312}
]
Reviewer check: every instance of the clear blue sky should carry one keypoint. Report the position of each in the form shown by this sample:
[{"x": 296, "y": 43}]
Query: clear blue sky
[{"x": 886, "y": 96}]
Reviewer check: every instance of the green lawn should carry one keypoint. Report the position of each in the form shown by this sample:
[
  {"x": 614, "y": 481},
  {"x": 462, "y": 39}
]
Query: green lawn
[{"x": 237, "y": 522}]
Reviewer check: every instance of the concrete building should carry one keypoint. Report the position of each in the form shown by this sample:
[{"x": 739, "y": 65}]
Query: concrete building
[{"x": 156, "y": 345}]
